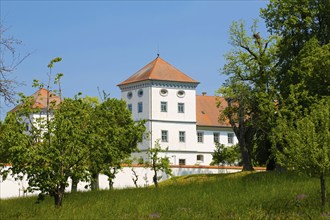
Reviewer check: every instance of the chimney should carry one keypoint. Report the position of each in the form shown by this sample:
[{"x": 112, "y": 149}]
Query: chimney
[{"x": 203, "y": 93}]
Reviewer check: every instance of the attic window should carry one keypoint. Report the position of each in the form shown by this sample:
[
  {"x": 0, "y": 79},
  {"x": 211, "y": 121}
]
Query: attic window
[
  {"x": 180, "y": 94},
  {"x": 129, "y": 95},
  {"x": 140, "y": 93},
  {"x": 163, "y": 92}
]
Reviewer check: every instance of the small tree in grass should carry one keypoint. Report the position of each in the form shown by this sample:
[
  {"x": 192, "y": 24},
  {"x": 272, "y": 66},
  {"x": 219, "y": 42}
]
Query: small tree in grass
[
  {"x": 158, "y": 163},
  {"x": 306, "y": 143},
  {"x": 225, "y": 155}
]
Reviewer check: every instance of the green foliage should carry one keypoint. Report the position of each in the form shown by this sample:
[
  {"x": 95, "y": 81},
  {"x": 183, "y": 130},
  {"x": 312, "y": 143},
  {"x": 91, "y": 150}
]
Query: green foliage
[
  {"x": 77, "y": 139},
  {"x": 296, "y": 23},
  {"x": 305, "y": 142},
  {"x": 250, "y": 91},
  {"x": 227, "y": 155},
  {"x": 157, "y": 162},
  {"x": 265, "y": 195},
  {"x": 115, "y": 136},
  {"x": 48, "y": 163}
]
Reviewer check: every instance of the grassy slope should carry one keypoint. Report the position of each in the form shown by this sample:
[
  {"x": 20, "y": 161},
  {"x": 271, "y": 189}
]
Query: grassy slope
[{"x": 224, "y": 196}]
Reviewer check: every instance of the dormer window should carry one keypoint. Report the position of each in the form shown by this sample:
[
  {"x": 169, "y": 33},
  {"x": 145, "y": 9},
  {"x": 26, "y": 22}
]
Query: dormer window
[
  {"x": 163, "y": 92},
  {"x": 180, "y": 93},
  {"x": 129, "y": 95},
  {"x": 140, "y": 93}
]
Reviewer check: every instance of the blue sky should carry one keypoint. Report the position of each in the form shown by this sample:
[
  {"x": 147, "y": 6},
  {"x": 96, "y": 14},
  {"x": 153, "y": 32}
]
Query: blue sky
[{"x": 104, "y": 42}]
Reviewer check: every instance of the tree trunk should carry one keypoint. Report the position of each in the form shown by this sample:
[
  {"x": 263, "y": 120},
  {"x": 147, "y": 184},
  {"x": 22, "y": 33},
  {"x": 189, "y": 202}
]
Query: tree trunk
[
  {"x": 95, "y": 181},
  {"x": 155, "y": 178},
  {"x": 74, "y": 186},
  {"x": 110, "y": 184},
  {"x": 323, "y": 190},
  {"x": 246, "y": 160},
  {"x": 58, "y": 195}
]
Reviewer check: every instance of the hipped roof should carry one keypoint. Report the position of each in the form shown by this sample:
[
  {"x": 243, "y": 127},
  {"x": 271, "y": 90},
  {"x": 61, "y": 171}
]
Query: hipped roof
[
  {"x": 40, "y": 99},
  {"x": 158, "y": 69},
  {"x": 208, "y": 111}
]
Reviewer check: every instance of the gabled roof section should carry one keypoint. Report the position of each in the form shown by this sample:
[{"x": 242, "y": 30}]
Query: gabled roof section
[
  {"x": 207, "y": 111},
  {"x": 159, "y": 69},
  {"x": 40, "y": 99}
]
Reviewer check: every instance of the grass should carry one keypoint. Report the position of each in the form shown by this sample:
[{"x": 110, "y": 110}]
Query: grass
[{"x": 264, "y": 195}]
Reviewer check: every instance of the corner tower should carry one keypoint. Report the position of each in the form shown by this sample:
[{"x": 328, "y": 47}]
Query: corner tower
[{"x": 166, "y": 98}]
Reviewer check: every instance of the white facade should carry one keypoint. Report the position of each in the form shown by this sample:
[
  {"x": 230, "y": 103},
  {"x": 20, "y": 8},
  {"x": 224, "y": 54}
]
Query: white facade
[{"x": 169, "y": 108}]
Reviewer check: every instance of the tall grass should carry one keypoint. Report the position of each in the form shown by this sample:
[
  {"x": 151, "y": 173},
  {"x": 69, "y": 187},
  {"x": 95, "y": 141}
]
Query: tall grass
[{"x": 224, "y": 196}]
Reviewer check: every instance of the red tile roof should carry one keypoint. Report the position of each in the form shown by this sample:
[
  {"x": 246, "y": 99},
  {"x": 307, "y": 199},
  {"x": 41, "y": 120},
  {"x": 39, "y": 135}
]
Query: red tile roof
[
  {"x": 158, "y": 69},
  {"x": 207, "y": 111},
  {"x": 40, "y": 99}
]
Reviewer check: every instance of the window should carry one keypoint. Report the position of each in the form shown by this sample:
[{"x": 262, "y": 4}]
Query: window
[
  {"x": 129, "y": 95},
  {"x": 182, "y": 136},
  {"x": 129, "y": 106},
  {"x": 182, "y": 161},
  {"x": 230, "y": 138},
  {"x": 200, "y": 157},
  {"x": 163, "y": 92},
  {"x": 216, "y": 137},
  {"x": 200, "y": 137},
  {"x": 180, "y": 94},
  {"x": 163, "y": 106},
  {"x": 140, "y": 93},
  {"x": 140, "y": 107},
  {"x": 164, "y": 136},
  {"x": 181, "y": 107}
]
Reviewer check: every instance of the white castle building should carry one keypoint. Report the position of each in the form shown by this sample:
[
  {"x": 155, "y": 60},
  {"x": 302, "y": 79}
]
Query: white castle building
[{"x": 186, "y": 123}]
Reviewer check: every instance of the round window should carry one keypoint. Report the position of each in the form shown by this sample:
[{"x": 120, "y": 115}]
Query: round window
[
  {"x": 180, "y": 93},
  {"x": 129, "y": 95},
  {"x": 140, "y": 93},
  {"x": 163, "y": 92}
]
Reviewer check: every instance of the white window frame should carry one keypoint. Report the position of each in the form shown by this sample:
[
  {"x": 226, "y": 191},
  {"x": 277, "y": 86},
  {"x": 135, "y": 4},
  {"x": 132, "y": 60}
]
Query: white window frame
[
  {"x": 201, "y": 159},
  {"x": 230, "y": 138},
  {"x": 140, "y": 107},
  {"x": 182, "y": 136},
  {"x": 182, "y": 161},
  {"x": 216, "y": 137},
  {"x": 130, "y": 107},
  {"x": 163, "y": 106},
  {"x": 200, "y": 137},
  {"x": 180, "y": 107},
  {"x": 164, "y": 135}
]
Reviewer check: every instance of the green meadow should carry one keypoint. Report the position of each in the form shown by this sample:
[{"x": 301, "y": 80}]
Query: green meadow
[{"x": 246, "y": 195}]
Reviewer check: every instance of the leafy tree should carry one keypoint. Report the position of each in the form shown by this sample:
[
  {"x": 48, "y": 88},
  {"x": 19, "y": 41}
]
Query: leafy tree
[
  {"x": 249, "y": 92},
  {"x": 9, "y": 60},
  {"x": 296, "y": 23},
  {"x": 51, "y": 148},
  {"x": 116, "y": 136},
  {"x": 158, "y": 163},
  {"x": 306, "y": 143},
  {"x": 49, "y": 165},
  {"x": 225, "y": 154}
]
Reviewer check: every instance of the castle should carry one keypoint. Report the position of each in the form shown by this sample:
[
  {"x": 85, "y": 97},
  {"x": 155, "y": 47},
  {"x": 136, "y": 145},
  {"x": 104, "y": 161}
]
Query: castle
[{"x": 185, "y": 123}]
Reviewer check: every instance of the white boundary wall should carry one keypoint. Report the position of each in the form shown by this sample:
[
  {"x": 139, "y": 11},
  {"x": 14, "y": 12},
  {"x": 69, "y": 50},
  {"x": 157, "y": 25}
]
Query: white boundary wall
[{"x": 10, "y": 187}]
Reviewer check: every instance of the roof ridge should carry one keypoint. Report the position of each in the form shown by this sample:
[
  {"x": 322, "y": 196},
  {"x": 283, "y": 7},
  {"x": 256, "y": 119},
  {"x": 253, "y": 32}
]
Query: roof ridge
[{"x": 153, "y": 67}]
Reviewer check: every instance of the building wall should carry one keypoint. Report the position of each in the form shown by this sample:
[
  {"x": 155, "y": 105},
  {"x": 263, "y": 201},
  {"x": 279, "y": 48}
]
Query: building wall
[
  {"x": 151, "y": 94},
  {"x": 12, "y": 187}
]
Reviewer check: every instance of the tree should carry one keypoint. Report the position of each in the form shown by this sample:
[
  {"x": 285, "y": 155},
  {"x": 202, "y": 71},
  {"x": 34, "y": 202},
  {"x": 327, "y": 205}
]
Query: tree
[
  {"x": 49, "y": 165},
  {"x": 9, "y": 60},
  {"x": 249, "y": 92},
  {"x": 225, "y": 154},
  {"x": 115, "y": 137},
  {"x": 296, "y": 24},
  {"x": 158, "y": 163},
  {"x": 51, "y": 148},
  {"x": 306, "y": 143}
]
